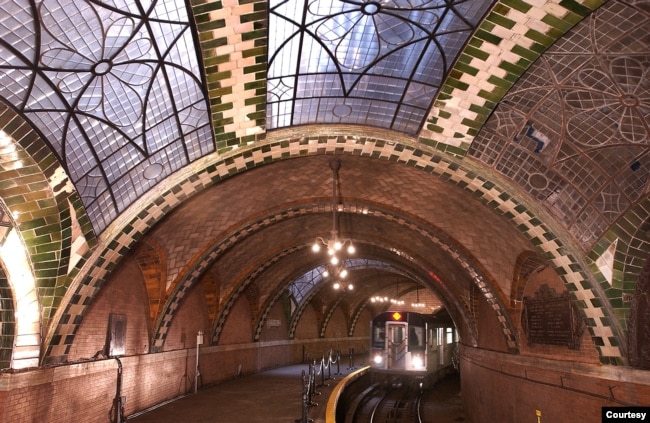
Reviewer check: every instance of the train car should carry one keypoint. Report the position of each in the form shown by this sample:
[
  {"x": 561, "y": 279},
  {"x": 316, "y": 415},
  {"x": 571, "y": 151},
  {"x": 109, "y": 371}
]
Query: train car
[{"x": 414, "y": 348}]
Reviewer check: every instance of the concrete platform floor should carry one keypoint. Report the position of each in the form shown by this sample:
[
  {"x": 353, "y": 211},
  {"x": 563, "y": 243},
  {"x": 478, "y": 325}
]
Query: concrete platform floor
[{"x": 270, "y": 396}]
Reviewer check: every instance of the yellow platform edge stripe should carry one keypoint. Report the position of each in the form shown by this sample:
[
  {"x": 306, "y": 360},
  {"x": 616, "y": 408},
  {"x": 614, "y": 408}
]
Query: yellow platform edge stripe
[{"x": 330, "y": 411}]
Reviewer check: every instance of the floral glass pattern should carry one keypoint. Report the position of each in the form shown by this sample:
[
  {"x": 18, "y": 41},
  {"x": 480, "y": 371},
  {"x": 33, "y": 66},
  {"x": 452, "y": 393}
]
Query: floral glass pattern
[
  {"x": 574, "y": 132},
  {"x": 114, "y": 87},
  {"x": 366, "y": 62}
]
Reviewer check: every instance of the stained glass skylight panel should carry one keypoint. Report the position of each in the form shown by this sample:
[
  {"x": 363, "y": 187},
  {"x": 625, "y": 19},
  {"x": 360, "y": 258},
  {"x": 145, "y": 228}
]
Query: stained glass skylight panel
[
  {"x": 114, "y": 88},
  {"x": 377, "y": 62}
]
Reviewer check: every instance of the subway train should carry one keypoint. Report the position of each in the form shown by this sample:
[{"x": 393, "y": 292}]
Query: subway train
[{"x": 412, "y": 348}]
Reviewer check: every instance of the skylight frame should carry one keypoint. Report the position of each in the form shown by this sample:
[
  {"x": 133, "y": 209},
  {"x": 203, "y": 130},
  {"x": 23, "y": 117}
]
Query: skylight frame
[{"x": 410, "y": 46}]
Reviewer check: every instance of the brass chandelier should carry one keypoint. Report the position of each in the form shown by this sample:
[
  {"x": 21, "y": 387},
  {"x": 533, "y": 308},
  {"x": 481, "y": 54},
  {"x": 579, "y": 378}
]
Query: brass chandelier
[{"x": 337, "y": 248}]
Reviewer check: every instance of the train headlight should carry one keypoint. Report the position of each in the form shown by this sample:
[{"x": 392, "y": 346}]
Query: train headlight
[
  {"x": 378, "y": 359},
  {"x": 417, "y": 362}
]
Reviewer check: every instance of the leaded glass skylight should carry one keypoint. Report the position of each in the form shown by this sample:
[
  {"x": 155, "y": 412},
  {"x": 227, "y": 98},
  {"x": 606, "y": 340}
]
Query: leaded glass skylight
[
  {"x": 303, "y": 285},
  {"x": 113, "y": 86},
  {"x": 368, "y": 62}
]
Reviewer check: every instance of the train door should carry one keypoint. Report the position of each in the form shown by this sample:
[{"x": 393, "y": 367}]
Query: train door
[{"x": 396, "y": 345}]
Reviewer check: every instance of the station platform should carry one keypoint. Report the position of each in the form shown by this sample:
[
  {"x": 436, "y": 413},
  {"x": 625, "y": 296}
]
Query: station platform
[{"x": 273, "y": 395}]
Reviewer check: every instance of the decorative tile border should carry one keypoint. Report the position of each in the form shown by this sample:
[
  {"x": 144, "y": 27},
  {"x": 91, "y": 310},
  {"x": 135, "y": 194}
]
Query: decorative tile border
[
  {"x": 604, "y": 330},
  {"x": 239, "y": 34},
  {"x": 632, "y": 233},
  {"x": 463, "y": 258},
  {"x": 232, "y": 36},
  {"x": 512, "y": 36},
  {"x": 38, "y": 199}
]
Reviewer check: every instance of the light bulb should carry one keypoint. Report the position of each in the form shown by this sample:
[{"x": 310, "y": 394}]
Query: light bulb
[
  {"x": 315, "y": 248},
  {"x": 337, "y": 285},
  {"x": 351, "y": 249},
  {"x": 343, "y": 273}
]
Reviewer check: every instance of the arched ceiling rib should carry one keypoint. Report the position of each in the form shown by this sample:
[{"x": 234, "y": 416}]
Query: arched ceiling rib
[
  {"x": 438, "y": 166},
  {"x": 610, "y": 182}
]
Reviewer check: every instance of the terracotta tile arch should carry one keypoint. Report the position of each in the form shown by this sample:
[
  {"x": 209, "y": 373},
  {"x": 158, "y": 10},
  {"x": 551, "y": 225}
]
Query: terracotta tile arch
[
  {"x": 41, "y": 203},
  {"x": 187, "y": 279},
  {"x": 493, "y": 193},
  {"x": 527, "y": 263},
  {"x": 638, "y": 342},
  {"x": 151, "y": 258}
]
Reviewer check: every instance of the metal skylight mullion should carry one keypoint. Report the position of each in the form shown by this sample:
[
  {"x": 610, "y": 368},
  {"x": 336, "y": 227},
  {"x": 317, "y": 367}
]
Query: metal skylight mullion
[
  {"x": 106, "y": 5},
  {"x": 74, "y": 107},
  {"x": 365, "y": 45},
  {"x": 391, "y": 52},
  {"x": 470, "y": 28},
  {"x": 202, "y": 79},
  {"x": 278, "y": 52},
  {"x": 37, "y": 54},
  {"x": 432, "y": 38},
  {"x": 69, "y": 109},
  {"x": 71, "y": 116},
  {"x": 163, "y": 71},
  {"x": 380, "y": 59},
  {"x": 286, "y": 41},
  {"x": 84, "y": 134},
  {"x": 347, "y": 90},
  {"x": 302, "y": 29},
  {"x": 331, "y": 54},
  {"x": 460, "y": 16}
]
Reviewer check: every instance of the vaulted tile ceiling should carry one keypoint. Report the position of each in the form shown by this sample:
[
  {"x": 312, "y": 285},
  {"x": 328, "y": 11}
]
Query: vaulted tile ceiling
[{"x": 116, "y": 112}]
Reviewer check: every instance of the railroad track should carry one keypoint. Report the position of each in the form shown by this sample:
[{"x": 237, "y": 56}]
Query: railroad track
[{"x": 386, "y": 405}]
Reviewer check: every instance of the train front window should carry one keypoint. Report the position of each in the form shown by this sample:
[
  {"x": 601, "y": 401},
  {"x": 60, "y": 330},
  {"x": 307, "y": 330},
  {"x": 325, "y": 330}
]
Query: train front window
[
  {"x": 417, "y": 339},
  {"x": 397, "y": 334},
  {"x": 378, "y": 336}
]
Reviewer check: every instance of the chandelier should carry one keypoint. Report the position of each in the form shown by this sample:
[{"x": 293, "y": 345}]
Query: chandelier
[
  {"x": 337, "y": 247},
  {"x": 380, "y": 299},
  {"x": 418, "y": 304},
  {"x": 385, "y": 299}
]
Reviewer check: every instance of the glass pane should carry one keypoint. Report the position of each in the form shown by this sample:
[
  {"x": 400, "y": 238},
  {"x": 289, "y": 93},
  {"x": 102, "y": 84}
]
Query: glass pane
[
  {"x": 355, "y": 62},
  {"x": 129, "y": 74}
]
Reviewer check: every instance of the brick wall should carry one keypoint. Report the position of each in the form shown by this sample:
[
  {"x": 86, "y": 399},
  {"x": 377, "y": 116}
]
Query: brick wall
[
  {"x": 123, "y": 294},
  {"x": 501, "y": 387},
  {"x": 84, "y": 391}
]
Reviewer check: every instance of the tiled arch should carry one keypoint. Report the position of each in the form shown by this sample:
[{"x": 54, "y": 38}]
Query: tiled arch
[
  {"x": 233, "y": 296},
  {"x": 479, "y": 277},
  {"x": 492, "y": 193},
  {"x": 151, "y": 259},
  {"x": 527, "y": 263},
  {"x": 339, "y": 303},
  {"x": 42, "y": 203},
  {"x": 33, "y": 190},
  {"x": 7, "y": 321}
]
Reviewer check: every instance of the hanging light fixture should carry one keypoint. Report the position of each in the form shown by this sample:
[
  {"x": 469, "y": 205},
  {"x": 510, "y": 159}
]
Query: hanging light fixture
[
  {"x": 417, "y": 304},
  {"x": 395, "y": 300},
  {"x": 336, "y": 246}
]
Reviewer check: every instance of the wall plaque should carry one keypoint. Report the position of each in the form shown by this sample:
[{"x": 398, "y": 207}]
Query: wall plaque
[
  {"x": 115, "y": 335},
  {"x": 550, "y": 318}
]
